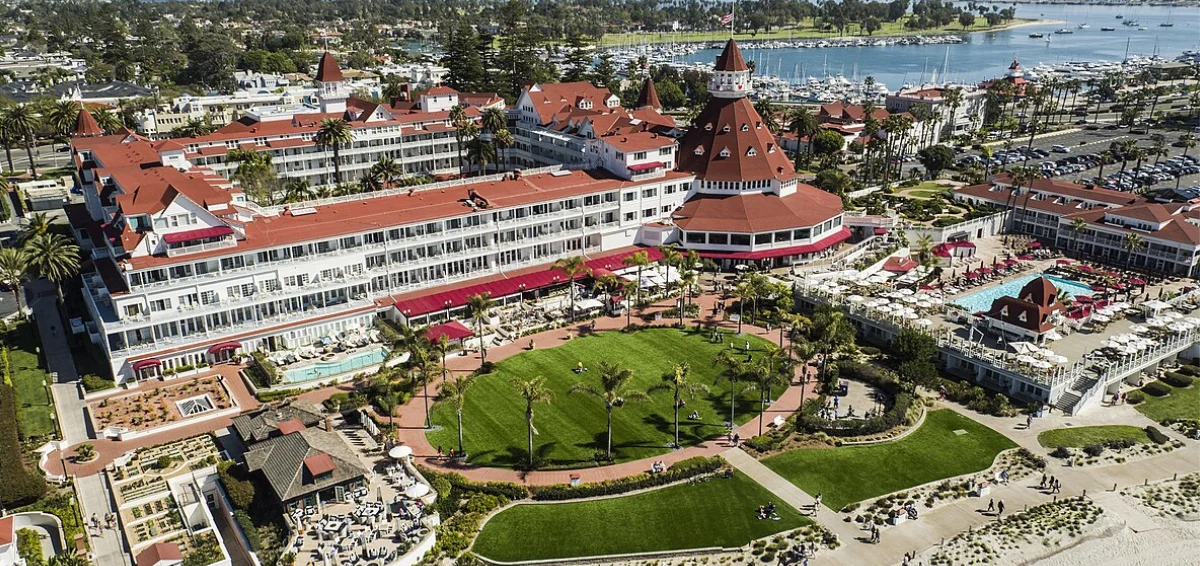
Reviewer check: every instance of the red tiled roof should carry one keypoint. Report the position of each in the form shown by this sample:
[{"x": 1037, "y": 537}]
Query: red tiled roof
[
  {"x": 1036, "y": 301},
  {"x": 638, "y": 141},
  {"x": 820, "y": 245},
  {"x": 86, "y": 125},
  {"x": 758, "y": 212},
  {"x": 649, "y": 96},
  {"x": 159, "y": 552},
  {"x": 552, "y": 99},
  {"x": 730, "y": 58},
  {"x": 319, "y": 464},
  {"x": 720, "y": 127},
  {"x": 899, "y": 264},
  {"x": 6, "y": 530},
  {"x": 440, "y": 90},
  {"x": 328, "y": 69}
]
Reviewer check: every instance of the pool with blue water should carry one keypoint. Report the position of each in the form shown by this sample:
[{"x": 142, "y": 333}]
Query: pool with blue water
[
  {"x": 982, "y": 299},
  {"x": 322, "y": 370}
]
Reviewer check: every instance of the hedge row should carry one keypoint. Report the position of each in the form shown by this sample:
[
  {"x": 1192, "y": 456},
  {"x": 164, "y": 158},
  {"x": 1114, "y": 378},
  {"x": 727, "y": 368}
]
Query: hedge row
[
  {"x": 681, "y": 470},
  {"x": 1176, "y": 379},
  {"x": 17, "y": 485},
  {"x": 1189, "y": 370},
  {"x": 1157, "y": 389},
  {"x": 811, "y": 421},
  {"x": 1156, "y": 435}
]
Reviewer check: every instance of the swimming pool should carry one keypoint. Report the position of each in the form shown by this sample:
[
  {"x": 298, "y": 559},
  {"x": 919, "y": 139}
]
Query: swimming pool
[
  {"x": 982, "y": 299},
  {"x": 325, "y": 369}
]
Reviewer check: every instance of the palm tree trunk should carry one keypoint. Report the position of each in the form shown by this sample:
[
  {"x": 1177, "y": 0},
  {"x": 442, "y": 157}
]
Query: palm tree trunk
[
  {"x": 337, "y": 165},
  {"x": 609, "y": 449},
  {"x": 425, "y": 393},
  {"x": 741, "y": 313},
  {"x": 32, "y": 164},
  {"x": 8, "y": 155},
  {"x": 460, "y": 432},
  {"x": 732, "y": 402},
  {"x": 529, "y": 425},
  {"x": 677, "y": 417},
  {"x": 762, "y": 410}
]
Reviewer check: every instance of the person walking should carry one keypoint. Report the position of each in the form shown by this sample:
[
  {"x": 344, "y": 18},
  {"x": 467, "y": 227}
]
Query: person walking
[
  {"x": 991, "y": 505},
  {"x": 1042, "y": 484},
  {"x": 1000, "y": 508},
  {"x": 1029, "y": 421}
]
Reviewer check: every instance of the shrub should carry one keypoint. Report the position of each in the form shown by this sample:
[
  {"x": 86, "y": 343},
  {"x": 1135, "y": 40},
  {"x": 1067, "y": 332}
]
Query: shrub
[
  {"x": 276, "y": 394},
  {"x": 267, "y": 368},
  {"x": 1061, "y": 452},
  {"x": 248, "y": 528},
  {"x": 239, "y": 488},
  {"x": 163, "y": 462},
  {"x": 765, "y": 443},
  {"x": 1034, "y": 461},
  {"x": 93, "y": 383},
  {"x": 1121, "y": 443},
  {"x": 511, "y": 491},
  {"x": 1135, "y": 397},
  {"x": 681, "y": 470},
  {"x": 1156, "y": 435},
  {"x": 1175, "y": 379},
  {"x": 1189, "y": 370},
  {"x": 867, "y": 373},
  {"x": 17, "y": 485},
  {"x": 869, "y": 350},
  {"x": 1093, "y": 450},
  {"x": 810, "y": 420},
  {"x": 29, "y": 546},
  {"x": 1157, "y": 389}
]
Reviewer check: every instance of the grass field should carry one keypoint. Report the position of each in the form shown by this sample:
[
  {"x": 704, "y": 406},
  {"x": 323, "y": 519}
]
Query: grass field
[
  {"x": 1180, "y": 404},
  {"x": 28, "y": 381},
  {"x": 804, "y": 31},
  {"x": 1079, "y": 437},
  {"x": 720, "y": 512},
  {"x": 571, "y": 429},
  {"x": 856, "y": 473}
]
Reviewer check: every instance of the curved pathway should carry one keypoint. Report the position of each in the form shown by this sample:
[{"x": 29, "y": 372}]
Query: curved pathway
[{"x": 411, "y": 416}]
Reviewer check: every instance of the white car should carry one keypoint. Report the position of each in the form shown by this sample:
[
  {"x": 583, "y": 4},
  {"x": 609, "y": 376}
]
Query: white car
[{"x": 1059, "y": 149}]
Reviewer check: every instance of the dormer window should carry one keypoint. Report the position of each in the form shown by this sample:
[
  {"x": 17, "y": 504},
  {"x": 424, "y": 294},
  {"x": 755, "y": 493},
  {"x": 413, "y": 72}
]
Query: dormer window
[
  {"x": 1023, "y": 317},
  {"x": 1004, "y": 310},
  {"x": 724, "y": 152},
  {"x": 699, "y": 150},
  {"x": 745, "y": 127},
  {"x": 725, "y": 129},
  {"x": 770, "y": 148},
  {"x": 708, "y": 127},
  {"x": 758, "y": 125},
  {"x": 751, "y": 152}
]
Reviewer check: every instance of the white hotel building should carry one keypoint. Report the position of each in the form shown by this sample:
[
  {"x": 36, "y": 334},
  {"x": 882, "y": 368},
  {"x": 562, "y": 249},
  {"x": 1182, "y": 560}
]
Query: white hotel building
[{"x": 183, "y": 269}]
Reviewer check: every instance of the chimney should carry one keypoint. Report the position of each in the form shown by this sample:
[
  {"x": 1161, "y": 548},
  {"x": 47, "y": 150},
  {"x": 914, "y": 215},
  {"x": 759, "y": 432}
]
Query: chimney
[{"x": 328, "y": 423}]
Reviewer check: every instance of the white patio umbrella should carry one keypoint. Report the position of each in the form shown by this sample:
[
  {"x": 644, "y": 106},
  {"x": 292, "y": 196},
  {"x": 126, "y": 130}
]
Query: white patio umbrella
[
  {"x": 1101, "y": 318},
  {"x": 855, "y": 298},
  {"x": 906, "y": 292},
  {"x": 911, "y": 315},
  {"x": 924, "y": 322},
  {"x": 399, "y": 452},
  {"x": 1025, "y": 359},
  {"x": 883, "y": 308},
  {"x": 909, "y": 299},
  {"x": 416, "y": 490},
  {"x": 1058, "y": 359},
  {"x": 1053, "y": 335}
]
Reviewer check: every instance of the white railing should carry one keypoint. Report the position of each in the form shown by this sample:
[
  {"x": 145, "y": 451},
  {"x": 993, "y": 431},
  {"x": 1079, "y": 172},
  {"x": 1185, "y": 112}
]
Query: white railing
[{"x": 195, "y": 248}]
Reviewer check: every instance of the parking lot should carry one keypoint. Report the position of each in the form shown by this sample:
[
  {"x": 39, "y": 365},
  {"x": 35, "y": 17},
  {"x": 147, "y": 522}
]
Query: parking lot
[{"x": 1075, "y": 156}]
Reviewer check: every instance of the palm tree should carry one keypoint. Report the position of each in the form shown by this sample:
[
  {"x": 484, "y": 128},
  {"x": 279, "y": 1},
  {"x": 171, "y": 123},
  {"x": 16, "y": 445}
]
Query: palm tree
[
  {"x": 494, "y": 120},
  {"x": 194, "y": 128},
  {"x": 53, "y": 256},
  {"x": 107, "y": 120},
  {"x": 8, "y": 141},
  {"x": 388, "y": 170},
  {"x": 481, "y": 153},
  {"x": 671, "y": 258},
  {"x": 614, "y": 392},
  {"x": 21, "y": 123},
  {"x": 38, "y": 224},
  {"x": 1105, "y": 158},
  {"x": 679, "y": 383},
  {"x": 68, "y": 558},
  {"x": 333, "y": 133},
  {"x": 1188, "y": 141},
  {"x": 426, "y": 368},
  {"x": 638, "y": 260},
  {"x": 297, "y": 190},
  {"x": 805, "y": 352},
  {"x": 61, "y": 117},
  {"x": 687, "y": 280},
  {"x": 836, "y": 332},
  {"x": 458, "y": 118},
  {"x": 533, "y": 391},
  {"x": 925, "y": 250},
  {"x": 573, "y": 266},
  {"x": 480, "y": 306},
  {"x": 1078, "y": 227},
  {"x": 503, "y": 140},
  {"x": 805, "y": 124},
  {"x": 735, "y": 369},
  {"x": 629, "y": 288},
  {"x": 455, "y": 393},
  {"x": 743, "y": 292},
  {"x": 14, "y": 264},
  {"x": 1133, "y": 243},
  {"x": 765, "y": 376}
]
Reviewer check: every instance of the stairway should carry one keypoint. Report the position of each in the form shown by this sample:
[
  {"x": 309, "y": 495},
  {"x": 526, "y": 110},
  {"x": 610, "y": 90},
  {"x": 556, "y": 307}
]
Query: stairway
[
  {"x": 1083, "y": 384},
  {"x": 1066, "y": 402}
]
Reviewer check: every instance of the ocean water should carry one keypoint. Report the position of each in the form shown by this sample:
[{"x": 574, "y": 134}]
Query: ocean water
[{"x": 987, "y": 55}]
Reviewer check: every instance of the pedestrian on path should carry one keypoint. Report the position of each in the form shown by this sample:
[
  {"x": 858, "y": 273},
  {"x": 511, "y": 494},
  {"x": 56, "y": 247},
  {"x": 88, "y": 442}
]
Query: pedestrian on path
[
  {"x": 1042, "y": 484},
  {"x": 1000, "y": 508},
  {"x": 818, "y": 502},
  {"x": 991, "y": 505},
  {"x": 1029, "y": 421}
]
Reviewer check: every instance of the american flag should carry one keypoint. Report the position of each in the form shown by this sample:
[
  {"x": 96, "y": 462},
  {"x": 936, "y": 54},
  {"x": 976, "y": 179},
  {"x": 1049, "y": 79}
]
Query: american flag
[{"x": 727, "y": 19}]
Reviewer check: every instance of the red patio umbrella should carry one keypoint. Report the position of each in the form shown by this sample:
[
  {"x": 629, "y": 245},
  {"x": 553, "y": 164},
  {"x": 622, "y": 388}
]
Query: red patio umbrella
[
  {"x": 1138, "y": 282},
  {"x": 1083, "y": 299},
  {"x": 972, "y": 275},
  {"x": 1035, "y": 244},
  {"x": 1063, "y": 262},
  {"x": 1099, "y": 288},
  {"x": 985, "y": 270}
]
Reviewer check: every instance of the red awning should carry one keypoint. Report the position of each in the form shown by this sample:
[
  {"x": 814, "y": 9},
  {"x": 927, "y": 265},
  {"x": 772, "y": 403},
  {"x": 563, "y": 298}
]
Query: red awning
[
  {"x": 1035, "y": 244},
  {"x": 453, "y": 330},
  {"x": 601, "y": 272},
  {"x": 224, "y": 346},
  {"x": 837, "y": 238},
  {"x": 1137, "y": 282},
  {"x": 645, "y": 166},
  {"x": 1083, "y": 299},
  {"x": 454, "y": 298},
  {"x": 198, "y": 234},
  {"x": 899, "y": 265},
  {"x": 880, "y": 231},
  {"x": 147, "y": 363}
]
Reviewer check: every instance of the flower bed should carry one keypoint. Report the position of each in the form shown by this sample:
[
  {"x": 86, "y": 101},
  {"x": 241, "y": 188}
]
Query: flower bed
[{"x": 146, "y": 410}]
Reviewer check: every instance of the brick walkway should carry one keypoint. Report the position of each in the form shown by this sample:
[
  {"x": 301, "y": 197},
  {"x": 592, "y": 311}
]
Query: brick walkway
[
  {"x": 411, "y": 416},
  {"x": 109, "y": 449}
]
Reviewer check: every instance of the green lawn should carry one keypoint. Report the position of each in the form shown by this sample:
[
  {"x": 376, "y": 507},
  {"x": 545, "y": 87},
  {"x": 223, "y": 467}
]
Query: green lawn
[
  {"x": 720, "y": 512},
  {"x": 571, "y": 429},
  {"x": 1180, "y": 404},
  {"x": 856, "y": 473},
  {"x": 28, "y": 381},
  {"x": 1079, "y": 437},
  {"x": 805, "y": 31}
]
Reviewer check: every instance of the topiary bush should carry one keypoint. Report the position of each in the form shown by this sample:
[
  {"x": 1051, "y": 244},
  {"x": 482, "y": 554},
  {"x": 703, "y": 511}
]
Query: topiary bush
[
  {"x": 1157, "y": 389},
  {"x": 1135, "y": 397},
  {"x": 1093, "y": 450},
  {"x": 1177, "y": 379},
  {"x": 1189, "y": 370},
  {"x": 1156, "y": 435},
  {"x": 1061, "y": 452}
]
